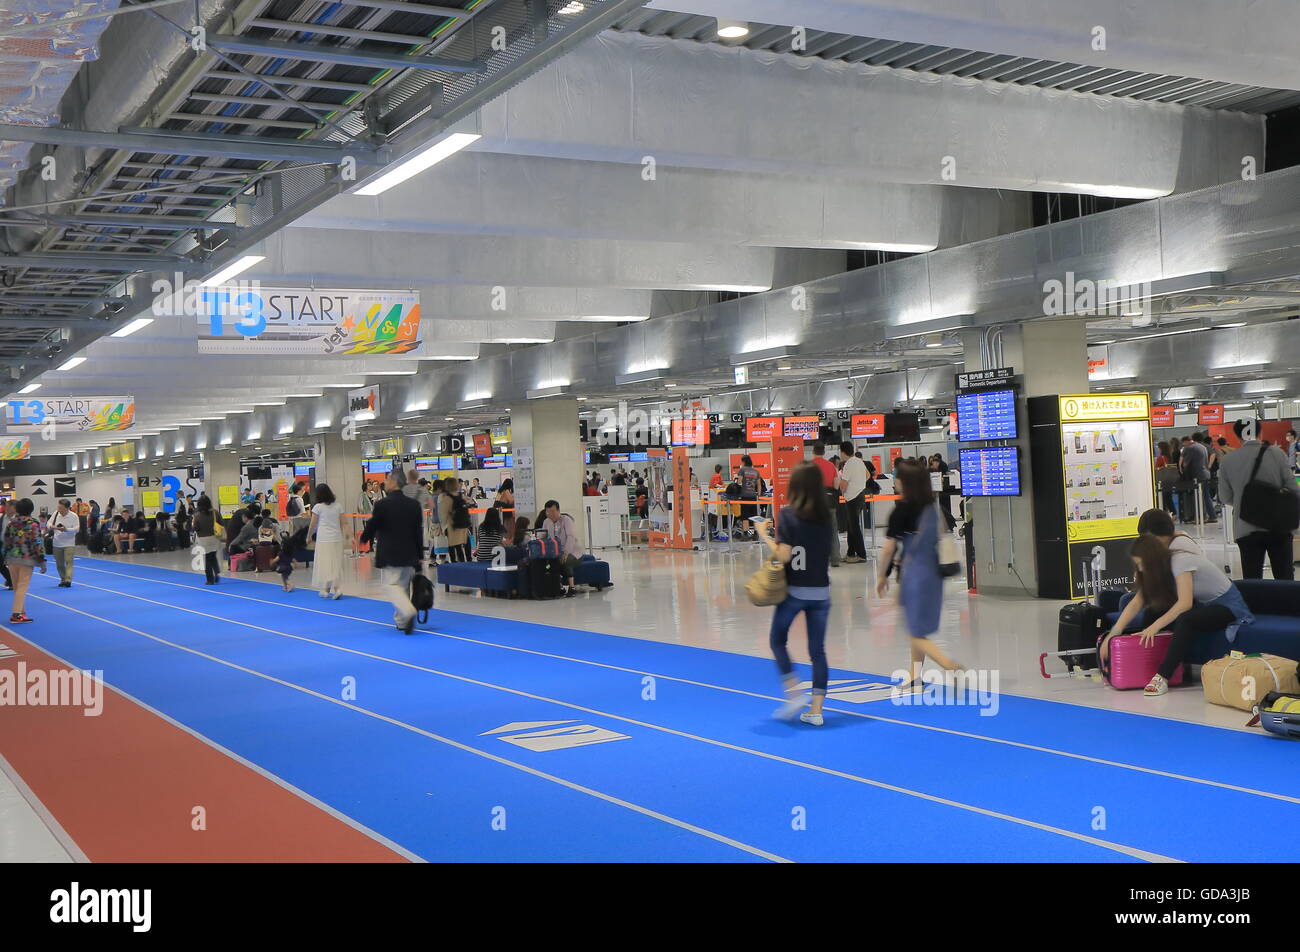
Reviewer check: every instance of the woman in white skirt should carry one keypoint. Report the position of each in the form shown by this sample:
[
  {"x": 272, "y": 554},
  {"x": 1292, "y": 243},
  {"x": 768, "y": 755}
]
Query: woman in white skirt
[{"x": 327, "y": 529}]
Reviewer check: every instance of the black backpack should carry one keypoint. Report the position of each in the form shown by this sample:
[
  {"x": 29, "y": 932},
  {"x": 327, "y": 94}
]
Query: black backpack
[
  {"x": 1273, "y": 508},
  {"x": 459, "y": 513},
  {"x": 422, "y": 595}
]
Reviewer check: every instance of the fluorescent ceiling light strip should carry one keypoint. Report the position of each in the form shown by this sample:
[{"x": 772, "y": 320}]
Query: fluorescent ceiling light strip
[
  {"x": 30, "y": 388},
  {"x": 417, "y": 163},
  {"x": 72, "y": 362},
  {"x": 451, "y": 357},
  {"x": 1185, "y": 330},
  {"x": 126, "y": 330},
  {"x": 236, "y": 267}
]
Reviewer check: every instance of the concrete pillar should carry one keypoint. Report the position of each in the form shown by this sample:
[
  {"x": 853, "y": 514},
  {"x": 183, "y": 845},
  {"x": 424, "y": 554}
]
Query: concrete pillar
[
  {"x": 338, "y": 464},
  {"x": 545, "y": 432},
  {"x": 147, "y": 478},
  {"x": 1052, "y": 358},
  {"x": 221, "y": 468}
]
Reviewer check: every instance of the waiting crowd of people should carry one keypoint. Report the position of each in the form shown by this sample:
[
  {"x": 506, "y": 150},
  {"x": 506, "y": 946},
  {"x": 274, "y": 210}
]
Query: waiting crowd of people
[{"x": 1197, "y": 476}]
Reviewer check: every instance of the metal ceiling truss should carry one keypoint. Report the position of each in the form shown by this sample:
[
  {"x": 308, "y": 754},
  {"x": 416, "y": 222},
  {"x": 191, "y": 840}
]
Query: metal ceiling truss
[{"x": 285, "y": 92}]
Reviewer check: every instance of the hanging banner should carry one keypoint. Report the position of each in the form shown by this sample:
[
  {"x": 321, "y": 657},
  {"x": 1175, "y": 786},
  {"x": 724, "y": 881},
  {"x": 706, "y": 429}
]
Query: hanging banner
[
  {"x": 681, "y": 534},
  {"x": 251, "y": 319},
  {"x": 15, "y": 449},
  {"x": 100, "y": 414},
  {"x": 661, "y": 531},
  {"x": 787, "y": 453}
]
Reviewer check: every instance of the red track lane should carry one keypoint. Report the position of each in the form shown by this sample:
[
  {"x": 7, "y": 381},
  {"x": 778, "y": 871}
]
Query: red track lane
[{"x": 124, "y": 784}]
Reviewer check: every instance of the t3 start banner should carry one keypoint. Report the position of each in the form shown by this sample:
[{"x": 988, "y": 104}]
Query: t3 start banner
[
  {"x": 251, "y": 319},
  {"x": 98, "y": 414}
]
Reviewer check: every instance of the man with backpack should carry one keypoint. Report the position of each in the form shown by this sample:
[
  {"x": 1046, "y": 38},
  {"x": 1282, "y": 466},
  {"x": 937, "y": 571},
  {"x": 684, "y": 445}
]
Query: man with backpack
[
  {"x": 396, "y": 530},
  {"x": 453, "y": 517},
  {"x": 1256, "y": 480}
]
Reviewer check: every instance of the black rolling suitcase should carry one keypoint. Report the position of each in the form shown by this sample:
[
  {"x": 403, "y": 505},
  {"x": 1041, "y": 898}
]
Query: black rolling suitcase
[
  {"x": 1078, "y": 631},
  {"x": 545, "y": 578}
]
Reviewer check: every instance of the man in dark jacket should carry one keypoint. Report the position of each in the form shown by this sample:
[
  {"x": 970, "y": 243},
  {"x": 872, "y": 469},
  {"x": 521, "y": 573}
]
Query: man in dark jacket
[{"x": 396, "y": 530}]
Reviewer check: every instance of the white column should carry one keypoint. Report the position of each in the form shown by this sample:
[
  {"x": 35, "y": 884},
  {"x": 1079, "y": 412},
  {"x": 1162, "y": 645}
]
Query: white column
[
  {"x": 338, "y": 464},
  {"x": 546, "y": 431},
  {"x": 220, "y": 468},
  {"x": 148, "y": 478}
]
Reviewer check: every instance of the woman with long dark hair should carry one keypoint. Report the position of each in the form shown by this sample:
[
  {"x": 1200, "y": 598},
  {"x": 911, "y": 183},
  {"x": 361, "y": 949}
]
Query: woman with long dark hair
[
  {"x": 491, "y": 533},
  {"x": 326, "y": 528},
  {"x": 912, "y": 537},
  {"x": 1180, "y": 588},
  {"x": 803, "y": 545},
  {"x": 206, "y": 523}
]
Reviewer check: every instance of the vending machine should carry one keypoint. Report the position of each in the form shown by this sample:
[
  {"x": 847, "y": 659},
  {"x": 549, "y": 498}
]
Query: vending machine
[{"x": 1091, "y": 462}]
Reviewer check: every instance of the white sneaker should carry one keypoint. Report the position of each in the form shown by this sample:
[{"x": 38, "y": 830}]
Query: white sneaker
[
  {"x": 808, "y": 717},
  {"x": 336, "y": 595},
  {"x": 323, "y": 594},
  {"x": 791, "y": 708}
]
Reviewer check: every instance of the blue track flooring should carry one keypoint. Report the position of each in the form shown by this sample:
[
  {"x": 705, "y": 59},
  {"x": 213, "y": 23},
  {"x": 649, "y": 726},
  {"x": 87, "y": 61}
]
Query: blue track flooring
[{"x": 704, "y": 775}]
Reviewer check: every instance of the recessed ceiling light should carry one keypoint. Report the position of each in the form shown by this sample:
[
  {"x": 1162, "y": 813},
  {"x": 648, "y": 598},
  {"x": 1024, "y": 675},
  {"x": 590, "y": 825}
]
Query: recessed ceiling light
[
  {"x": 732, "y": 29},
  {"x": 236, "y": 267},
  {"x": 418, "y": 162},
  {"x": 128, "y": 329}
]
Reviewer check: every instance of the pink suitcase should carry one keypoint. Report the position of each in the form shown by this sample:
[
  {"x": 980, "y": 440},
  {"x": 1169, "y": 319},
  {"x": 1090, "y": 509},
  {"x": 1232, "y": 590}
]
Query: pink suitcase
[
  {"x": 238, "y": 559},
  {"x": 1132, "y": 666}
]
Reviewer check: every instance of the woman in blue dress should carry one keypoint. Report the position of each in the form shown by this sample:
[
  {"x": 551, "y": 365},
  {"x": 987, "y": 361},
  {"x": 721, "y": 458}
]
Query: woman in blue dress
[{"x": 914, "y": 527}]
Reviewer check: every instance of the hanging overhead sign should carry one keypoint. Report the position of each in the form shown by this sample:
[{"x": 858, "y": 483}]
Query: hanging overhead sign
[
  {"x": 15, "y": 449},
  {"x": 101, "y": 414},
  {"x": 363, "y": 404},
  {"x": 251, "y": 319}
]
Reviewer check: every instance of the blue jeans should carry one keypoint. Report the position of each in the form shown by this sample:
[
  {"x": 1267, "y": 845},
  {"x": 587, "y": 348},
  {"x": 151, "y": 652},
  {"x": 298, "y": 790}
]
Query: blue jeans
[{"x": 816, "y": 614}]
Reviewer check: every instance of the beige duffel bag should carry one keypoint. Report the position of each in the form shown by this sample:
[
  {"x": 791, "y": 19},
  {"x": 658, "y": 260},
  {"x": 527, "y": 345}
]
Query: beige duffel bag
[{"x": 1244, "y": 682}]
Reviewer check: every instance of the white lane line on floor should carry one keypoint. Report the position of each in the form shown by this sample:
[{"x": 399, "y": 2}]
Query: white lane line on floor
[
  {"x": 730, "y": 690},
  {"x": 816, "y": 768},
  {"x": 626, "y": 804},
  {"x": 278, "y": 781}
]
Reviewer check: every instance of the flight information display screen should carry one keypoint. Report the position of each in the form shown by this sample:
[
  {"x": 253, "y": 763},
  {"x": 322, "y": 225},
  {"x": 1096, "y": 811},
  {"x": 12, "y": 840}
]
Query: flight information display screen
[
  {"x": 990, "y": 471},
  {"x": 805, "y": 427},
  {"x": 988, "y": 415}
]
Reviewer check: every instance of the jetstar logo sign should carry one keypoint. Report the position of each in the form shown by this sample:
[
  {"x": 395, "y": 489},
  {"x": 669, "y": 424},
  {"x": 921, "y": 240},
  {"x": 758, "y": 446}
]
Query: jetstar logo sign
[{"x": 364, "y": 403}]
